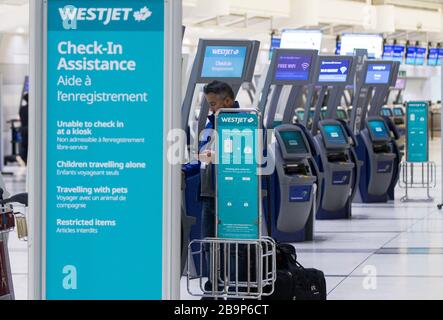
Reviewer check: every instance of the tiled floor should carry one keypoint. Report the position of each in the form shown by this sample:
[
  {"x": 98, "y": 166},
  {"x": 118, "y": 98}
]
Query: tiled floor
[{"x": 391, "y": 251}]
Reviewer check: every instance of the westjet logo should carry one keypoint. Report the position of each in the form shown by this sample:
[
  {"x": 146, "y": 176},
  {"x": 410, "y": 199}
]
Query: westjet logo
[
  {"x": 237, "y": 120},
  {"x": 71, "y": 15},
  {"x": 379, "y": 68},
  {"x": 225, "y": 52}
]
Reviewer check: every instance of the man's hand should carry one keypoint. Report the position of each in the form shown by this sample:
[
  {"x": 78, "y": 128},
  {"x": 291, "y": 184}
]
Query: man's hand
[{"x": 207, "y": 157}]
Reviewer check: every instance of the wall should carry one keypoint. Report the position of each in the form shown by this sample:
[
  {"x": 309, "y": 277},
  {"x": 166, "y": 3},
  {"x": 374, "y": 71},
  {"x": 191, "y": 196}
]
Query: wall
[{"x": 424, "y": 87}]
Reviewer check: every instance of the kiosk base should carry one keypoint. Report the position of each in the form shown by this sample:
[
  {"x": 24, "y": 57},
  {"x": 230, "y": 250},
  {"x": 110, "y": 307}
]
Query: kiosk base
[{"x": 343, "y": 214}]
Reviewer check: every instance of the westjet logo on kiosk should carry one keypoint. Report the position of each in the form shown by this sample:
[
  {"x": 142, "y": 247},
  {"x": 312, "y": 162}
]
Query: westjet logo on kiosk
[
  {"x": 71, "y": 15},
  {"x": 225, "y": 52},
  {"x": 237, "y": 120}
]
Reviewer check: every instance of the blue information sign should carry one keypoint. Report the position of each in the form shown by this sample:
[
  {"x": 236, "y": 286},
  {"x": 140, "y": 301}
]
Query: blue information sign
[
  {"x": 420, "y": 56},
  {"x": 275, "y": 44},
  {"x": 417, "y": 132},
  {"x": 411, "y": 55},
  {"x": 388, "y": 52},
  {"x": 440, "y": 56},
  {"x": 238, "y": 182},
  {"x": 433, "y": 57},
  {"x": 398, "y": 54},
  {"x": 104, "y": 149}
]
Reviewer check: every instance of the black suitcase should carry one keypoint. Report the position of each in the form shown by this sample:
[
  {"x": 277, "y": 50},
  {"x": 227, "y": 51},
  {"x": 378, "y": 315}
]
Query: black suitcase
[{"x": 294, "y": 282}]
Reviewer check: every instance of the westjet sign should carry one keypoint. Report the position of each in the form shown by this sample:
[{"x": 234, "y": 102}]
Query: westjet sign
[{"x": 71, "y": 15}]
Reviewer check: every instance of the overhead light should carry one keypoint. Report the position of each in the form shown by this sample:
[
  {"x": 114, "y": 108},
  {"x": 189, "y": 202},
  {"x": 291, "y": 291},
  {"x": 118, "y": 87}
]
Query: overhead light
[{"x": 20, "y": 30}]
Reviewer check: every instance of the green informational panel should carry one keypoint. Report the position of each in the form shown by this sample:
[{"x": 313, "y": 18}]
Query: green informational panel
[
  {"x": 238, "y": 182},
  {"x": 417, "y": 132}
]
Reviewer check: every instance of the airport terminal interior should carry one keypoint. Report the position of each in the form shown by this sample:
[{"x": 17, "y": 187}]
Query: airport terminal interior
[{"x": 350, "y": 92}]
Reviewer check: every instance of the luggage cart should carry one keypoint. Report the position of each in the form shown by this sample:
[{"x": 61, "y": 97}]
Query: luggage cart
[
  {"x": 228, "y": 278},
  {"x": 8, "y": 222}
]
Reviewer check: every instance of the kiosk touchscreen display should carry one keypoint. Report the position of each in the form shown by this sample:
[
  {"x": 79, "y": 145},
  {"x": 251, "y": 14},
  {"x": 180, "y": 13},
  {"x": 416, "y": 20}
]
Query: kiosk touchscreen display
[
  {"x": 301, "y": 115},
  {"x": 341, "y": 114},
  {"x": 293, "y": 67},
  {"x": 334, "y": 135},
  {"x": 398, "y": 112},
  {"x": 378, "y": 73},
  {"x": 334, "y": 71},
  {"x": 386, "y": 112},
  {"x": 224, "y": 62},
  {"x": 324, "y": 113},
  {"x": 378, "y": 129},
  {"x": 294, "y": 142}
]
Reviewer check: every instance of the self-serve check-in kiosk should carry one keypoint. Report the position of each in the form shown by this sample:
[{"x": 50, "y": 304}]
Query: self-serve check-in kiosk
[
  {"x": 379, "y": 101},
  {"x": 291, "y": 189},
  {"x": 296, "y": 183},
  {"x": 333, "y": 139},
  {"x": 375, "y": 144},
  {"x": 231, "y": 61}
]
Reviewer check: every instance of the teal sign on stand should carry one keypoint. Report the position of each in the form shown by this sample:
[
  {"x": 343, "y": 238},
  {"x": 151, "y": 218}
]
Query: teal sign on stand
[
  {"x": 104, "y": 154},
  {"x": 417, "y": 132},
  {"x": 238, "y": 181}
]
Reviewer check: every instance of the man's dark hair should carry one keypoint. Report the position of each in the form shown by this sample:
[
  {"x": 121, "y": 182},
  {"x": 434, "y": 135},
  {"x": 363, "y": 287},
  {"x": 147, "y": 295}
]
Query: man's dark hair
[{"x": 220, "y": 89}]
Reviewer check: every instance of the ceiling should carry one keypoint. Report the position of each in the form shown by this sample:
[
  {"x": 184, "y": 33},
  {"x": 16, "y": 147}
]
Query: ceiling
[{"x": 249, "y": 24}]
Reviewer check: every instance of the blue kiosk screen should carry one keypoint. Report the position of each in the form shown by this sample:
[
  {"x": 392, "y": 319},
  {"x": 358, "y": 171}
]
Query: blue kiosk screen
[
  {"x": 398, "y": 112},
  {"x": 334, "y": 135},
  {"x": 294, "y": 142},
  {"x": 378, "y": 74},
  {"x": 334, "y": 71},
  {"x": 224, "y": 62},
  {"x": 378, "y": 129},
  {"x": 293, "y": 67}
]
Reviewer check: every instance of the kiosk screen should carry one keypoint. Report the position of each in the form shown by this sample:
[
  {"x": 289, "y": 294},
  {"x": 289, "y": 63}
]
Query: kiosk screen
[
  {"x": 301, "y": 115},
  {"x": 324, "y": 113},
  {"x": 224, "y": 62},
  {"x": 378, "y": 74},
  {"x": 378, "y": 129},
  {"x": 386, "y": 112},
  {"x": 334, "y": 135},
  {"x": 334, "y": 71},
  {"x": 398, "y": 112},
  {"x": 311, "y": 114},
  {"x": 293, "y": 67},
  {"x": 341, "y": 114},
  {"x": 294, "y": 142}
]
